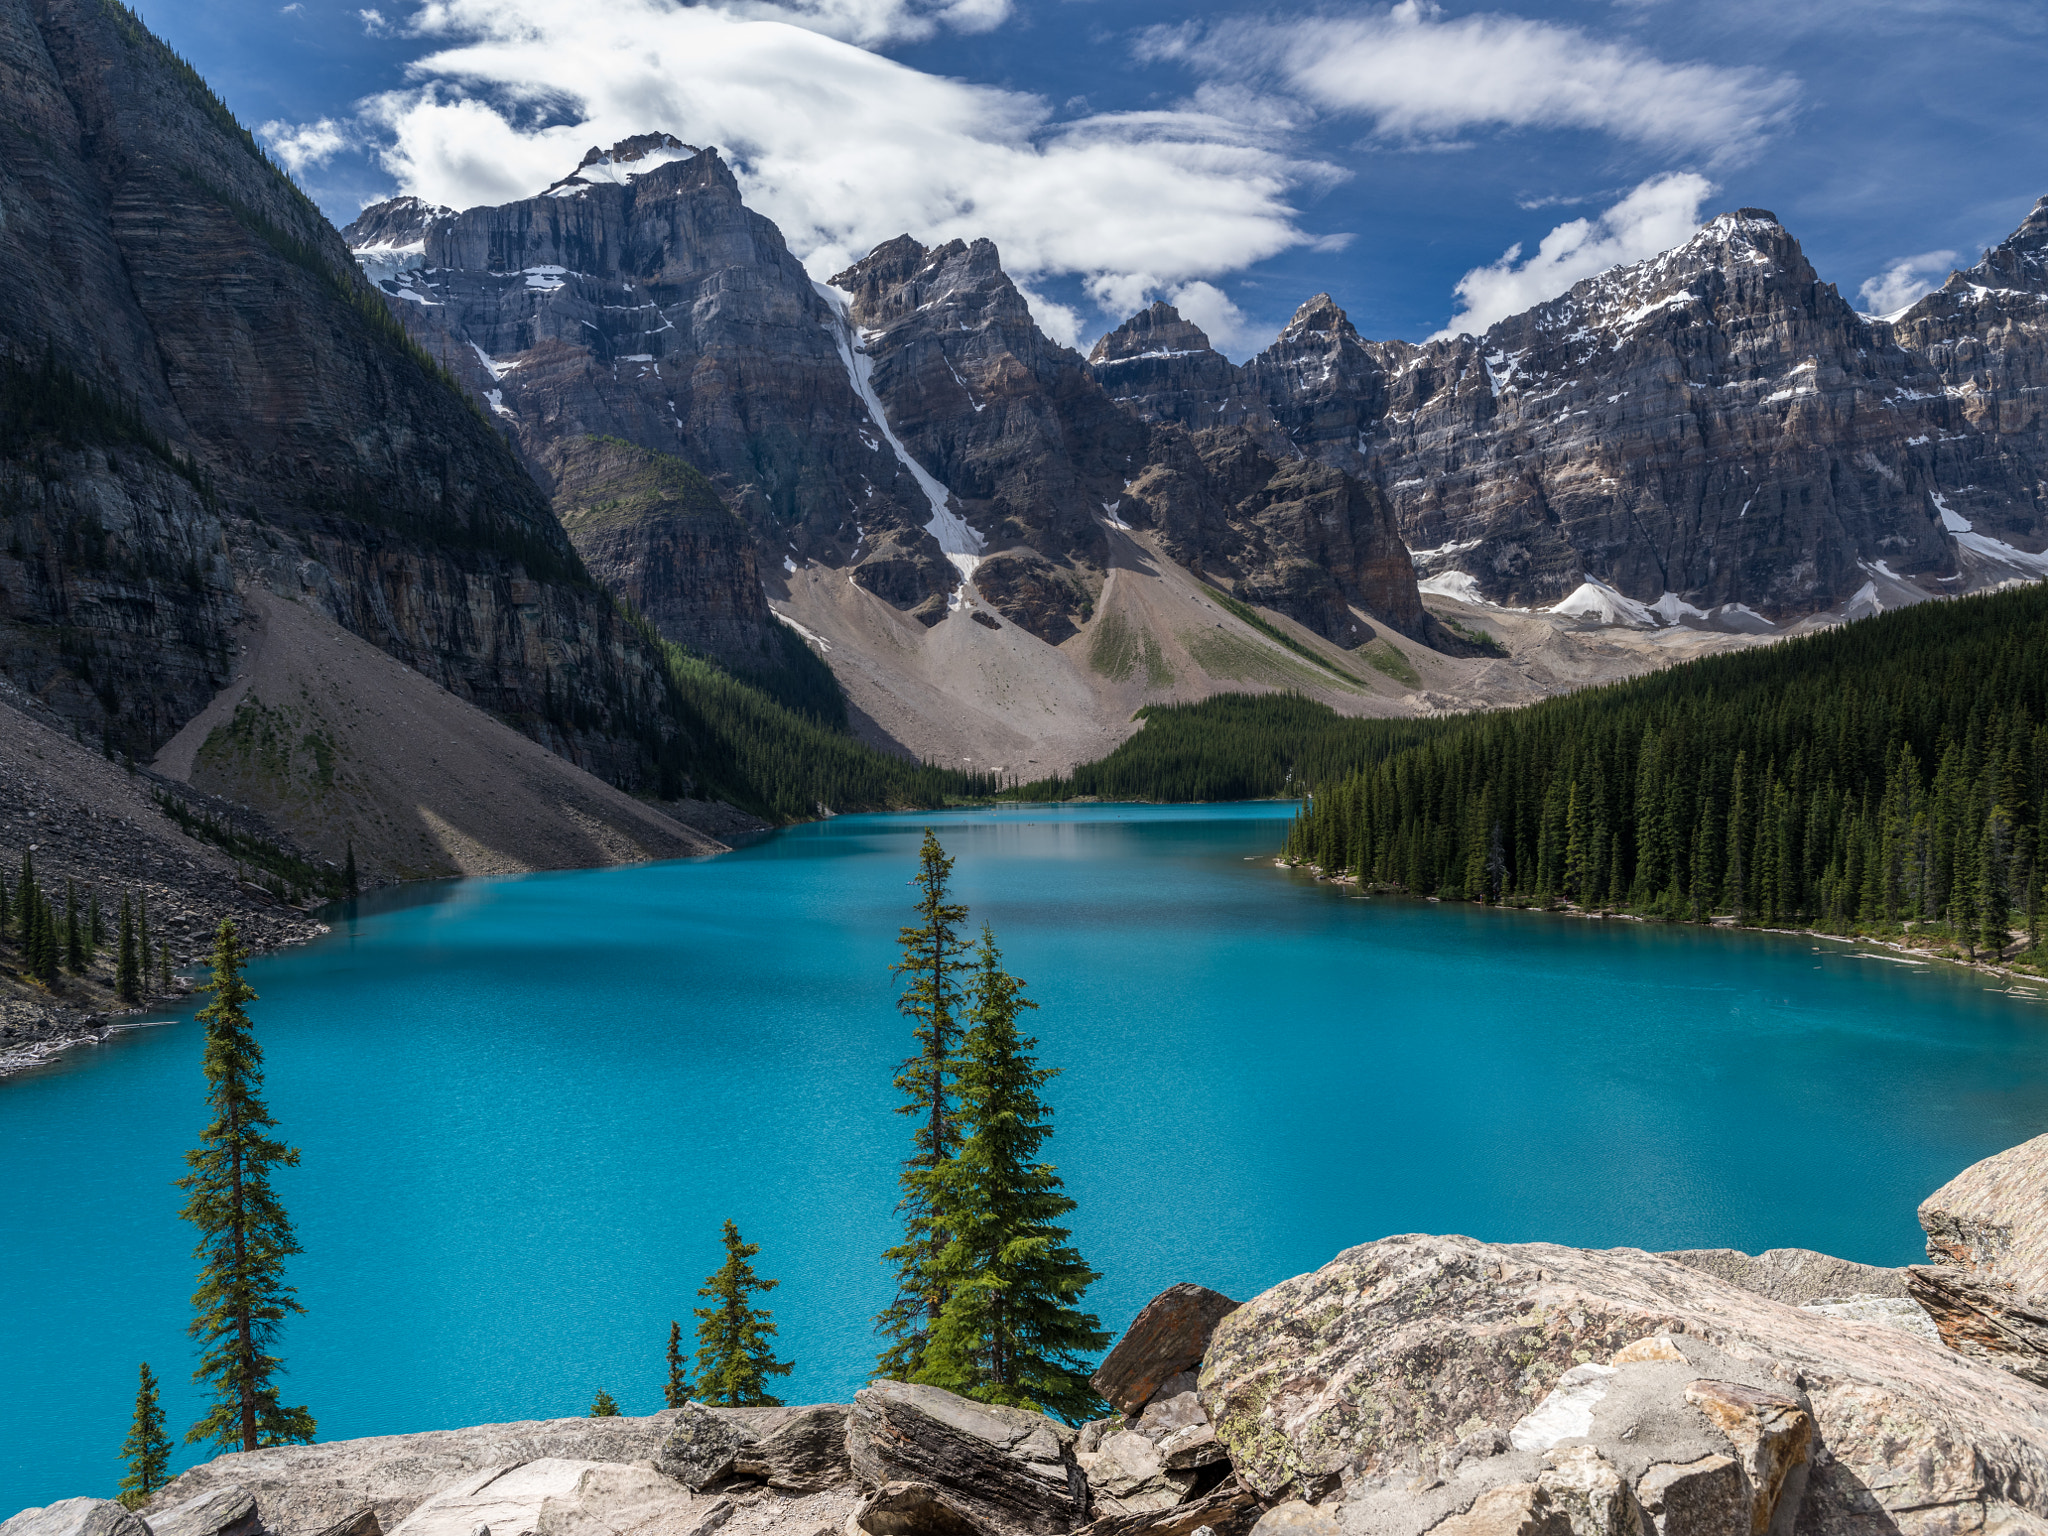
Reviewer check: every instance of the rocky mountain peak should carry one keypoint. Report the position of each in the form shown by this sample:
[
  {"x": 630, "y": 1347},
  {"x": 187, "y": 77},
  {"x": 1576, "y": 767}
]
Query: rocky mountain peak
[
  {"x": 395, "y": 222},
  {"x": 2019, "y": 262},
  {"x": 620, "y": 164},
  {"x": 1318, "y": 320},
  {"x": 1159, "y": 331}
]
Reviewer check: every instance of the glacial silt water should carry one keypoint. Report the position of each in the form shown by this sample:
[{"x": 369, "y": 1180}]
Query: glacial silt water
[{"x": 525, "y": 1106}]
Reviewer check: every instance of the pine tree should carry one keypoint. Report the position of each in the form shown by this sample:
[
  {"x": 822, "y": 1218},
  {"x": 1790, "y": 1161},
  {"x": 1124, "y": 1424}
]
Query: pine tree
[
  {"x": 24, "y": 898},
  {"x": 1994, "y": 891},
  {"x": 147, "y": 1448},
  {"x": 677, "y": 1391},
  {"x": 934, "y": 956},
  {"x": 1012, "y": 1330},
  {"x": 46, "y": 952},
  {"x": 95, "y": 928},
  {"x": 6, "y": 910},
  {"x": 734, "y": 1362},
  {"x": 127, "y": 968},
  {"x": 602, "y": 1406},
  {"x": 163, "y": 965},
  {"x": 142, "y": 947},
  {"x": 244, "y": 1233},
  {"x": 74, "y": 935},
  {"x": 348, "y": 870}
]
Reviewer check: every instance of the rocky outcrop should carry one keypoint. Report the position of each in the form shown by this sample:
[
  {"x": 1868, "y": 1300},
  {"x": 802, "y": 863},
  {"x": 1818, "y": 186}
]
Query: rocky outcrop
[
  {"x": 1166, "y": 1340},
  {"x": 795, "y": 1450},
  {"x": 222, "y": 398},
  {"x": 1986, "y": 1282},
  {"x": 655, "y": 532},
  {"x": 1006, "y": 1470},
  {"x": 1417, "y": 1374}
]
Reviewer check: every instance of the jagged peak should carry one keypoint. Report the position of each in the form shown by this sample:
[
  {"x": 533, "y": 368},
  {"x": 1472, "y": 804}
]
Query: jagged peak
[
  {"x": 1319, "y": 319},
  {"x": 1157, "y": 331},
  {"x": 617, "y": 166},
  {"x": 398, "y": 223},
  {"x": 2018, "y": 262}
]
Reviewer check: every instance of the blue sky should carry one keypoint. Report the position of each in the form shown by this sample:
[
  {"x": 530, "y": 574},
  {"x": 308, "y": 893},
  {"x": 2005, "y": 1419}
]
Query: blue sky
[{"x": 1231, "y": 157}]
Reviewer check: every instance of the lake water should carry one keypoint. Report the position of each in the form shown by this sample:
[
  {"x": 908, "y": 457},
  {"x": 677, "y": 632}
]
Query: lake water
[{"x": 526, "y": 1105}]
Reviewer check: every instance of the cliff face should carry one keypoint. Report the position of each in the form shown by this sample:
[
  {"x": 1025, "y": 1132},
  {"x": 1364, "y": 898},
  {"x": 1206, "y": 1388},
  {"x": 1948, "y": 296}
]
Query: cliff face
[
  {"x": 1715, "y": 423},
  {"x": 239, "y": 400},
  {"x": 910, "y": 423}
]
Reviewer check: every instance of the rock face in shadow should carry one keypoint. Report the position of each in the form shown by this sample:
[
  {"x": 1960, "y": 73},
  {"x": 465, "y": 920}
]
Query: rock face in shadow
[
  {"x": 1169, "y": 1335},
  {"x": 1986, "y": 1280},
  {"x": 219, "y": 392},
  {"x": 1715, "y": 422},
  {"x": 1426, "y": 1372}
]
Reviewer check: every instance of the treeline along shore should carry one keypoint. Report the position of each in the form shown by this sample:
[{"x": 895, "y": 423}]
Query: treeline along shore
[{"x": 1888, "y": 777}]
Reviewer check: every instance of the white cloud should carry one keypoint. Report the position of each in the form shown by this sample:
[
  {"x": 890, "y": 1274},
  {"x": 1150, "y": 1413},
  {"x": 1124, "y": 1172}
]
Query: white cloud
[
  {"x": 374, "y": 23},
  {"x": 1664, "y": 211},
  {"x": 300, "y": 145},
  {"x": 1213, "y": 310},
  {"x": 1422, "y": 76},
  {"x": 1905, "y": 280},
  {"x": 841, "y": 147}
]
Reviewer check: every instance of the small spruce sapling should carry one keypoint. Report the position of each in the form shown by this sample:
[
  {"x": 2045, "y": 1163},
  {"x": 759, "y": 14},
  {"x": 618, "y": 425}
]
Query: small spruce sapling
[
  {"x": 147, "y": 1449},
  {"x": 602, "y": 1406},
  {"x": 677, "y": 1391},
  {"x": 734, "y": 1364}
]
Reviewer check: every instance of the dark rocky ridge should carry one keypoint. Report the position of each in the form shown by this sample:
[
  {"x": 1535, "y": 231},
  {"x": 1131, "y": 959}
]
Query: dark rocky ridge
[
  {"x": 279, "y": 428},
  {"x": 1716, "y": 423},
  {"x": 654, "y": 307}
]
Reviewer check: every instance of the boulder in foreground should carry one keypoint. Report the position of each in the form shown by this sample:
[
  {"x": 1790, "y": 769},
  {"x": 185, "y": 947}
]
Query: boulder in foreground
[
  {"x": 1168, "y": 1336},
  {"x": 1410, "y": 1377},
  {"x": 1986, "y": 1280},
  {"x": 1007, "y": 1470}
]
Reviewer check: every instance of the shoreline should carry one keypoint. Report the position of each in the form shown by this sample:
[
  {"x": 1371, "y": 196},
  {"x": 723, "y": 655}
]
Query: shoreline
[{"x": 1911, "y": 954}]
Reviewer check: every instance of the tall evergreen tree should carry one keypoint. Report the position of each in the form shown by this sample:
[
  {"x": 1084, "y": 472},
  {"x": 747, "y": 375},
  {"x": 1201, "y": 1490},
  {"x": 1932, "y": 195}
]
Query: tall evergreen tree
[
  {"x": 127, "y": 968},
  {"x": 147, "y": 1449},
  {"x": 74, "y": 932},
  {"x": 735, "y": 1362},
  {"x": 348, "y": 870},
  {"x": 143, "y": 951},
  {"x": 677, "y": 1390},
  {"x": 1012, "y": 1330},
  {"x": 244, "y": 1234},
  {"x": 95, "y": 928},
  {"x": 934, "y": 957},
  {"x": 163, "y": 965}
]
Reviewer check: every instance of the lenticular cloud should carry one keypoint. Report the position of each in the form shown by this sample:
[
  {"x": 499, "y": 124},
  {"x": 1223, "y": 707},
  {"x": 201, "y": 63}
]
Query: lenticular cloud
[{"x": 841, "y": 147}]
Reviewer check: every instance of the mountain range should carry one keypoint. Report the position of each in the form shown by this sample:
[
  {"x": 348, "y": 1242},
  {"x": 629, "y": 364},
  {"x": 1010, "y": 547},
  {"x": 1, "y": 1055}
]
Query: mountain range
[{"x": 1710, "y": 439}]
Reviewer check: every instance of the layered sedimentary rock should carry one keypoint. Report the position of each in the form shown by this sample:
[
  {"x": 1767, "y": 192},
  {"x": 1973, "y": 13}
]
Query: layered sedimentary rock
[
  {"x": 218, "y": 393},
  {"x": 1712, "y": 431},
  {"x": 1986, "y": 1279},
  {"x": 909, "y": 422}
]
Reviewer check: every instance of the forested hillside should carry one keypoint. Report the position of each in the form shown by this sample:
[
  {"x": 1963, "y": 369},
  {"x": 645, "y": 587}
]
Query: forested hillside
[{"x": 1892, "y": 772}]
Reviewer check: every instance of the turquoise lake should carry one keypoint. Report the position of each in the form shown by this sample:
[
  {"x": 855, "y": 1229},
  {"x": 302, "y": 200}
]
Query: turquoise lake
[{"x": 525, "y": 1106}]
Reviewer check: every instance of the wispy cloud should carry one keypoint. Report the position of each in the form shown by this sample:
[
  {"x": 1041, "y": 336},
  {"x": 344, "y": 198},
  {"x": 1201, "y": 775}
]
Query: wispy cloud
[
  {"x": 1664, "y": 211},
  {"x": 1420, "y": 75},
  {"x": 1905, "y": 280},
  {"x": 302, "y": 145}
]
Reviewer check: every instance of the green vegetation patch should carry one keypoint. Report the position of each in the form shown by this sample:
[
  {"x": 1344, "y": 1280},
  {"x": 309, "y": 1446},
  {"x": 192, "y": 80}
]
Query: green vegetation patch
[
  {"x": 1475, "y": 637},
  {"x": 608, "y": 482},
  {"x": 283, "y": 873},
  {"x": 1114, "y": 648},
  {"x": 1158, "y": 670},
  {"x": 1382, "y": 655},
  {"x": 1235, "y": 746},
  {"x": 1250, "y": 616},
  {"x": 1221, "y": 653}
]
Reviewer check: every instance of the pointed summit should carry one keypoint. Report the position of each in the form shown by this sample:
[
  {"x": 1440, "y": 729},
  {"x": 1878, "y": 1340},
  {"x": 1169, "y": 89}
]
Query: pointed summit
[
  {"x": 1155, "y": 332},
  {"x": 625, "y": 160},
  {"x": 2020, "y": 261},
  {"x": 1318, "y": 320}
]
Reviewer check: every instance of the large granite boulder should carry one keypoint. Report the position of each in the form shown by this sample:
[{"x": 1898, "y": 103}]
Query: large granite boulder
[
  {"x": 1986, "y": 1280},
  {"x": 795, "y": 1450},
  {"x": 304, "y": 1490},
  {"x": 1416, "y": 1374},
  {"x": 75, "y": 1517},
  {"x": 227, "y": 1510},
  {"x": 1006, "y": 1469},
  {"x": 1169, "y": 1335}
]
